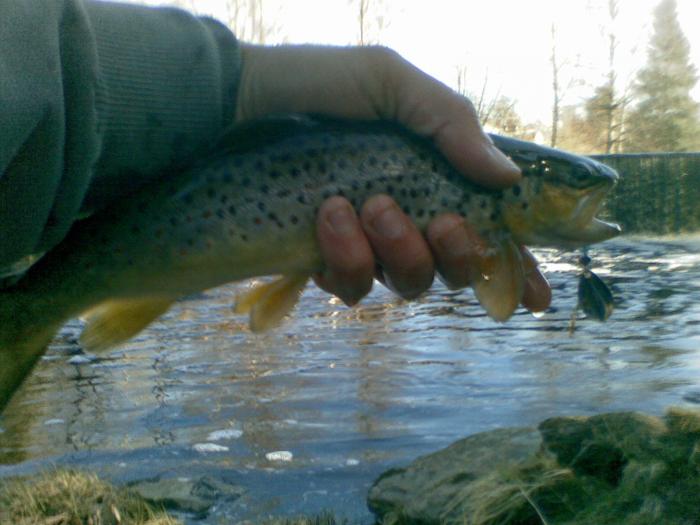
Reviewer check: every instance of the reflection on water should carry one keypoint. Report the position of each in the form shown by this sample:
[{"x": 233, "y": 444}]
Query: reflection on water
[{"x": 351, "y": 392}]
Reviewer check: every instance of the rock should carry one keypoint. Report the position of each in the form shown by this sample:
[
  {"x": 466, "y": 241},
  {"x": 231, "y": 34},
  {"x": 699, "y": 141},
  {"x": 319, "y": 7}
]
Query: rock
[
  {"x": 623, "y": 468},
  {"x": 187, "y": 495},
  {"x": 432, "y": 488}
]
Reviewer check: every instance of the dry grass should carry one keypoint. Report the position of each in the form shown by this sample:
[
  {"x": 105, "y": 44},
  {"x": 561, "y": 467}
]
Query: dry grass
[{"x": 67, "y": 497}]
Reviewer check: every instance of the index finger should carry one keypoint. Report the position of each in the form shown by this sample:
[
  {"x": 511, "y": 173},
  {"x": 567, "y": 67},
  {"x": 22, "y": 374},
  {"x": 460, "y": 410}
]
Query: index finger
[{"x": 432, "y": 109}]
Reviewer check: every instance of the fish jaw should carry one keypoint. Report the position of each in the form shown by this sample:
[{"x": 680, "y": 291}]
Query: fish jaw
[{"x": 562, "y": 216}]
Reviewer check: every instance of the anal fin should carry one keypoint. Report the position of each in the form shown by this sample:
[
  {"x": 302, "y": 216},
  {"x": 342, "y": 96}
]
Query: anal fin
[
  {"x": 115, "y": 321},
  {"x": 269, "y": 303}
]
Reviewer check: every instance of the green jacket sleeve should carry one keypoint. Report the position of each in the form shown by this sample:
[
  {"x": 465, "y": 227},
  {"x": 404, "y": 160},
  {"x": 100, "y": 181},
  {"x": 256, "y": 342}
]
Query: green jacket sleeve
[{"x": 97, "y": 98}]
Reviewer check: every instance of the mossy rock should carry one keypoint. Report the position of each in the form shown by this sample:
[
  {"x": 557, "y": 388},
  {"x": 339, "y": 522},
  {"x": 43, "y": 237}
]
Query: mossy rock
[{"x": 620, "y": 468}]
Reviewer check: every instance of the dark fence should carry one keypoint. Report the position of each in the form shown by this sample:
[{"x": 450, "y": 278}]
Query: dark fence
[{"x": 657, "y": 192}]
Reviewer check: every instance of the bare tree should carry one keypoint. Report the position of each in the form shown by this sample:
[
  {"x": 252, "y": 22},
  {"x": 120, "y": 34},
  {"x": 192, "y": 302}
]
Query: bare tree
[
  {"x": 556, "y": 90},
  {"x": 371, "y": 21},
  {"x": 483, "y": 104},
  {"x": 562, "y": 81},
  {"x": 247, "y": 19}
]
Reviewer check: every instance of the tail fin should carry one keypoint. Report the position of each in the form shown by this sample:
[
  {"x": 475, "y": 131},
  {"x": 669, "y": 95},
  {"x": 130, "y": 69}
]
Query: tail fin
[{"x": 23, "y": 338}]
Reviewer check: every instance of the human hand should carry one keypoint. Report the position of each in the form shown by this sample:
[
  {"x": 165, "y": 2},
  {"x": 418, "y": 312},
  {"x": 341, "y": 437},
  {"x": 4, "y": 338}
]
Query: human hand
[{"x": 376, "y": 83}]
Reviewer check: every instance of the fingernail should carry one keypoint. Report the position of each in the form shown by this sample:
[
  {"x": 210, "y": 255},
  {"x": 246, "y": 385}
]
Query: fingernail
[
  {"x": 342, "y": 220},
  {"x": 388, "y": 222},
  {"x": 505, "y": 163}
]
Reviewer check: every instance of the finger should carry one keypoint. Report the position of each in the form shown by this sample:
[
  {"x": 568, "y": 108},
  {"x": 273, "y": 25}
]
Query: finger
[
  {"x": 537, "y": 294},
  {"x": 405, "y": 257},
  {"x": 457, "y": 249},
  {"x": 348, "y": 258},
  {"x": 432, "y": 109}
]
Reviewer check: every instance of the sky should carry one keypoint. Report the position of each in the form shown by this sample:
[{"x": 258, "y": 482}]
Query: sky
[{"x": 505, "y": 43}]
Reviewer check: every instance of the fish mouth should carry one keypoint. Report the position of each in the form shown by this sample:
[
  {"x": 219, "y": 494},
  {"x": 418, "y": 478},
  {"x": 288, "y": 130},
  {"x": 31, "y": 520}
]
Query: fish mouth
[{"x": 582, "y": 227}]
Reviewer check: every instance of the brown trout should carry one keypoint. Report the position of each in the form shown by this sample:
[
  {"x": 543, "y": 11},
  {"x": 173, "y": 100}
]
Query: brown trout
[{"x": 249, "y": 210}]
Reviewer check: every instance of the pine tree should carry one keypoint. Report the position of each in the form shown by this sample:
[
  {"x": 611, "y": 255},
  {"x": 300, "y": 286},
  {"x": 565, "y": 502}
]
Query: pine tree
[{"x": 666, "y": 116}]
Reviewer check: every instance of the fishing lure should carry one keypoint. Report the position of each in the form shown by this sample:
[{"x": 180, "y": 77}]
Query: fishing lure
[{"x": 594, "y": 296}]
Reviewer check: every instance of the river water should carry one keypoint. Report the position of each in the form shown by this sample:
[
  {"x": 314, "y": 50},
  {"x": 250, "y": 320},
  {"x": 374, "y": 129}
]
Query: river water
[{"x": 353, "y": 392}]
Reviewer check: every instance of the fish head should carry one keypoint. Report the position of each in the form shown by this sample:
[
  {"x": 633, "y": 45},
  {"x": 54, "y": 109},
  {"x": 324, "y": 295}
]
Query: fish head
[{"x": 558, "y": 198}]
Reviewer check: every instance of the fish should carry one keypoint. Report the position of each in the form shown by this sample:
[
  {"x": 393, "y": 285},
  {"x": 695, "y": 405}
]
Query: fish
[{"x": 248, "y": 209}]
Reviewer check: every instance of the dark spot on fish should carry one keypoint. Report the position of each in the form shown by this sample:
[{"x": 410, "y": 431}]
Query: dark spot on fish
[
  {"x": 342, "y": 164},
  {"x": 220, "y": 213},
  {"x": 413, "y": 193},
  {"x": 494, "y": 217},
  {"x": 261, "y": 206},
  {"x": 294, "y": 172},
  {"x": 444, "y": 202},
  {"x": 275, "y": 174},
  {"x": 516, "y": 190},
  {"x": 227, "y": 176},
  {"x": 524, "y": 205},
  {"x": 326, "y": 194},
  {"x": 259, "y": 165},
  {"x": 390, "y": 189},
  {"x": 244, "y": 237},
  {"x": 129, "y": 262},
  {"x": 322, "y": 168},
  {"x": 237, "y": 162},
  {"x": 283, "y": 193},
  {"x": 187, "y": 198},
  {"x": 265, "y": 189},
  {"x": 340, "y": 193},
  {"x": 432, "y": 213},
  {"x": 173, "y": 221},
  {"x": 306, "y": 166},
  {"x": 223, "y": 199},
  {"x": 426, "y": 191},
  {"x": 331, "y": 177},
  {"x": 393, "y": 157},
  {"x": 433, "y": 166},
  {"x": 232, "y": 210},
  {"x": 301, "y": 198},
  {"x": 294, "y": 219},
  {"x": 385, "y": 164},
  {"x": 190, "y": 242},
  {"x": 407, "y": 210},
  {"x": 482, "y": 204},
  {"x": 420, "y": 213},
  {"x": 372, "y": 161},
  {"x": 211, "y": 193},
  {"x": 245, "y": 182}
]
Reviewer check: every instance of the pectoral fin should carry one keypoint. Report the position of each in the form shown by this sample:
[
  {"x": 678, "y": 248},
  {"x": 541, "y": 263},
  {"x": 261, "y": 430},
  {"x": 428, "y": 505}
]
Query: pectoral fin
[
  {"x": 113, "y": 322},
  {"x": 268, "y": 303},
  {"x": 499, "y": 285}
]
